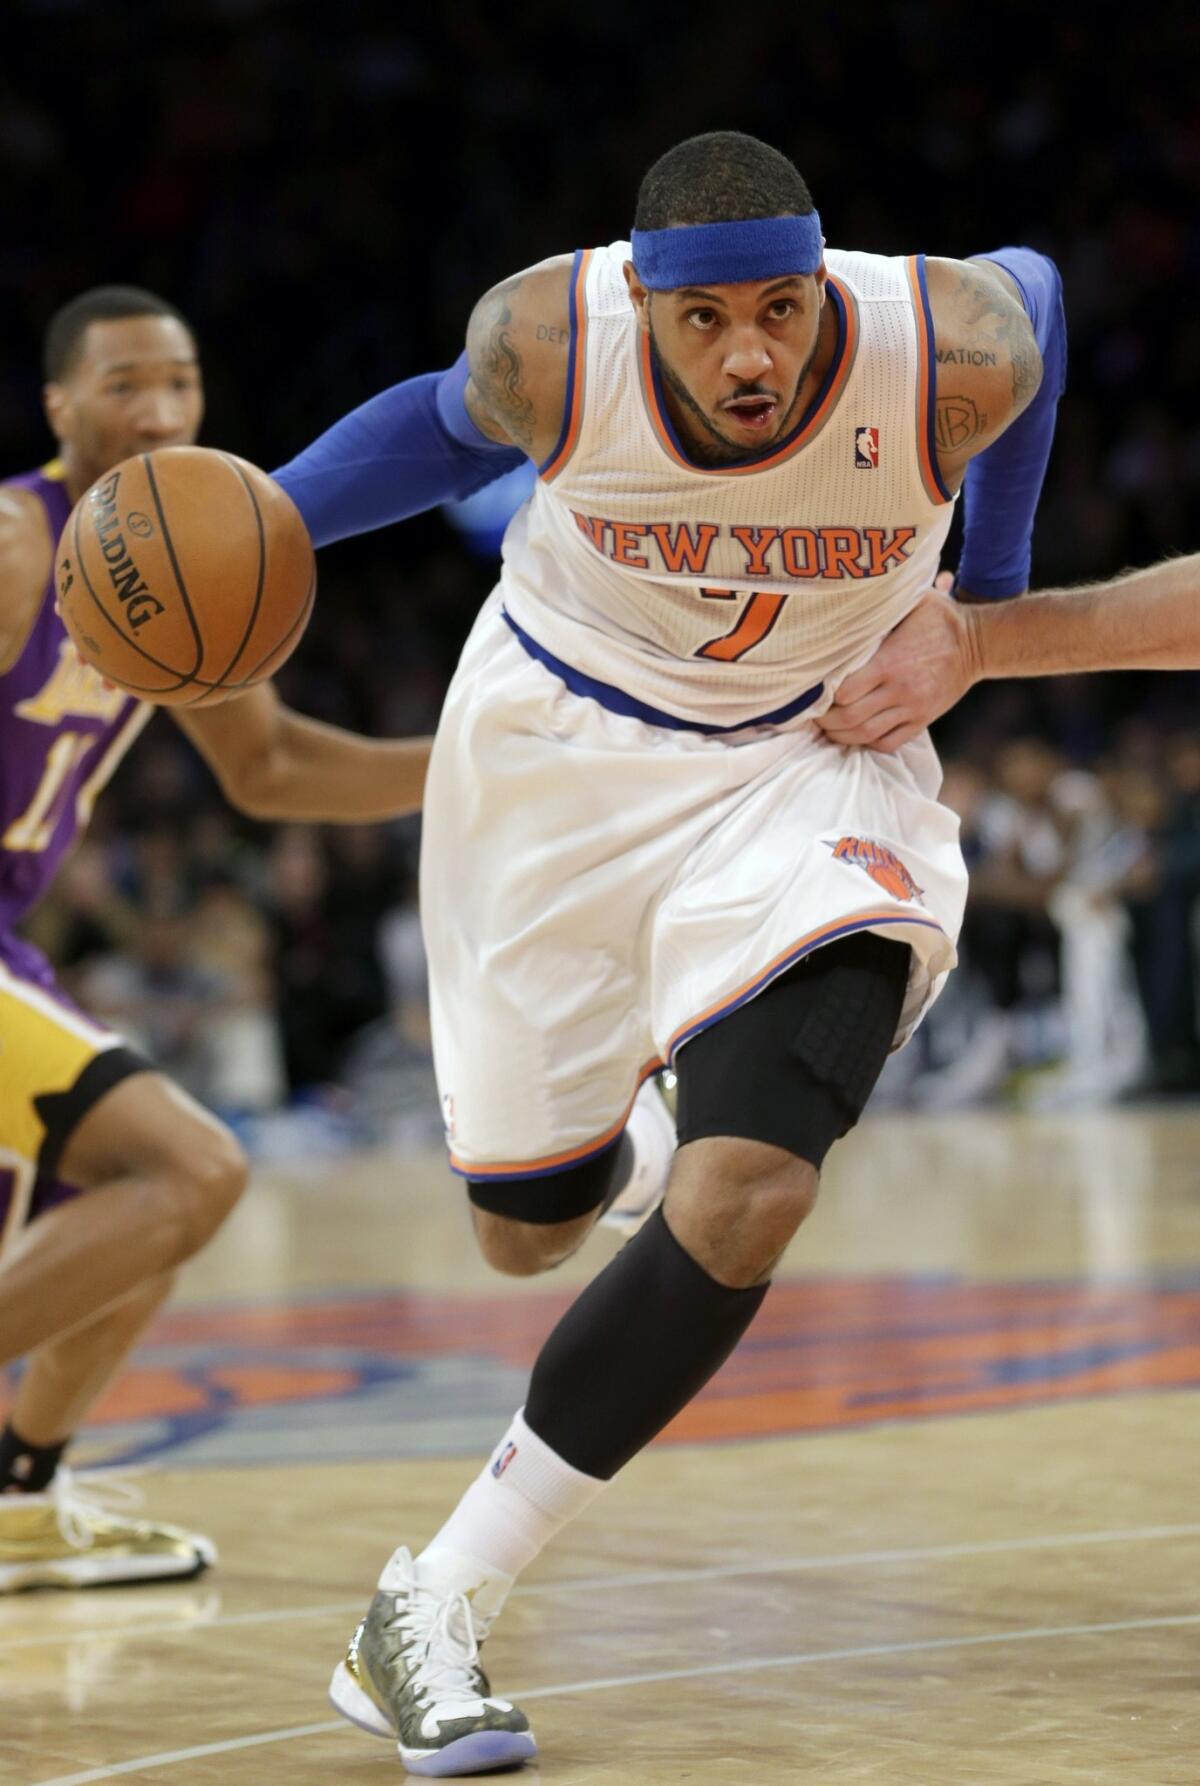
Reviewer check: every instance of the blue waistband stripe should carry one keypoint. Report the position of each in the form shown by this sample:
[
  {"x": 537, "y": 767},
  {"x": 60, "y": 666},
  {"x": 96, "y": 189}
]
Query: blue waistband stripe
[{"x": 617, "y": 701}]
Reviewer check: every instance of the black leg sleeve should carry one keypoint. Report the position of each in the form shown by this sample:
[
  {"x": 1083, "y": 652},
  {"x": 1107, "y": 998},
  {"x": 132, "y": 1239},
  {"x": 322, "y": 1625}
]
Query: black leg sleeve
[{"x": 643, "y": 1338}]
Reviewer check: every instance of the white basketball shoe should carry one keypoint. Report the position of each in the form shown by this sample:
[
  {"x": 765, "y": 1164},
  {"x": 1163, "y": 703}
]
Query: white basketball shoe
[
  {"x": 412, "y": 1673},
  {"x": 651, "y": 1129}
]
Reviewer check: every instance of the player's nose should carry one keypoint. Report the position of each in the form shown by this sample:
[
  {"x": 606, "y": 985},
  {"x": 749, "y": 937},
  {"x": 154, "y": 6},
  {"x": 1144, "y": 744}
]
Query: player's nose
[
  {"x": 747, "y": 359},
  {"x": 161, "y": 421}
]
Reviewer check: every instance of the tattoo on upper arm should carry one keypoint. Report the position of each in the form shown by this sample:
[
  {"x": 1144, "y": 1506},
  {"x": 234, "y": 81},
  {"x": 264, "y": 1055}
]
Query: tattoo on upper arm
[
  {"x": 1026, "y": 369},
  {"x": 958, "y": 423},
  {"x": 963, "y": 356},
  {"x": 496, "y": 368},
  {"x": 1002, "y": 331}
]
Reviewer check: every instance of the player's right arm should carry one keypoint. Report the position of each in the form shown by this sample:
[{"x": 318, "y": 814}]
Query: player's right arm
[
  {"x": 26, "y": 558},
  {"x": 517, "y": 351},
  {"x": 442, "y": 436}
]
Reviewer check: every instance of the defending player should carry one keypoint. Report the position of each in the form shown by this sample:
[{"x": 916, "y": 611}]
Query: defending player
[
  {"x": 79, "y": 1111},
  {"x": 749, "y": 450}
]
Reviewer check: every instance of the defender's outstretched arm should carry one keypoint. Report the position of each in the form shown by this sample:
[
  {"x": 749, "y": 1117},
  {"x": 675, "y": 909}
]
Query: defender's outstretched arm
[{"x": 1145, "y": 620}]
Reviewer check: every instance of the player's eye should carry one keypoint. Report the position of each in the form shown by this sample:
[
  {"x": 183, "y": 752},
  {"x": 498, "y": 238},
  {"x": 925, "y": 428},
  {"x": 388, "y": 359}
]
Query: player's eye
[
  {"x": 703, "y": 320},
  {"x": 781, "y": 309},
  {"x": 122, "y": 388}
]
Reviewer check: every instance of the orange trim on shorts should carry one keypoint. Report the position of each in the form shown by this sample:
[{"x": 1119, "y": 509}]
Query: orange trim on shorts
[
  {"x": 886, "y": 915},
  {"x": 576, "y": 370},
  {"x": 557, "y": 1162}
]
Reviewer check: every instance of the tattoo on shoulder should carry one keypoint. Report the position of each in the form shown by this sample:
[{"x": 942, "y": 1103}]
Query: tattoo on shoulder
[
  {"x": 958, "y": 423},
  {"x": 963, "y": 356},
  {"x": 496, "y": 367},
  {"x": 1001, "y": 330},
  {"x": 1026, "y": 370}
]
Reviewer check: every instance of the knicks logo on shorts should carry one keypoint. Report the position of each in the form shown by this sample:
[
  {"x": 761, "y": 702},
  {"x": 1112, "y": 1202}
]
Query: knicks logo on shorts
[{"x": 883, "y": 865}]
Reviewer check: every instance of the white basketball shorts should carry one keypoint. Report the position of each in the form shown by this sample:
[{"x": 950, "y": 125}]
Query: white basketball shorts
[{"x": 596, "y": 890}]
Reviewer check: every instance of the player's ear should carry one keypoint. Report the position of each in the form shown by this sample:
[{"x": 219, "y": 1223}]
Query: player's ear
[
  {"x": 821, "y": 275},
  {"x": 56, "y": 404},
  {"x": 639, "y": 297}
]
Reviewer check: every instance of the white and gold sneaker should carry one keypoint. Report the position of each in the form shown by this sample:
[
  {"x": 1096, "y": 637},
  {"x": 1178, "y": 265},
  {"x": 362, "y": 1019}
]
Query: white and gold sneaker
[
  {"x": 72, "y": 1536},
  {"x": 412, "y": 1673}
]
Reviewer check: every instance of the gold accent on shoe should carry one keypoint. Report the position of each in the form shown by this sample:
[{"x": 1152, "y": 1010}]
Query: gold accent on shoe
[{"x": 72, "y": 1536}]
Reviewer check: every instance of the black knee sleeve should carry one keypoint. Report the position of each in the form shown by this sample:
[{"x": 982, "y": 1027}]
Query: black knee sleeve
[
  {"x": 558, "y": 1196},
  {"x": 796, "y": 1064},
  {"x": 643, "y": 1338}
]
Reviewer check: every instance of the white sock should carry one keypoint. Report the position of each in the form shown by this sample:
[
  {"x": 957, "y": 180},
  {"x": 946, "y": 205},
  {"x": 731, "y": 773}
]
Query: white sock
[{"x": 524, "y": 1495}]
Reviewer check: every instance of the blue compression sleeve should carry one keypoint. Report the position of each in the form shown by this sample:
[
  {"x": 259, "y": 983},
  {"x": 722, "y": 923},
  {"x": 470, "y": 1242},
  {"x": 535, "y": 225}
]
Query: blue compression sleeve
[
  {"x": 411, "y": 448},
  {"x": 1002, "y": 485}
]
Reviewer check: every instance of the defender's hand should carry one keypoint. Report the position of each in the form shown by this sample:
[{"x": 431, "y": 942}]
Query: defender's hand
[{"x": 921, "y": 669}]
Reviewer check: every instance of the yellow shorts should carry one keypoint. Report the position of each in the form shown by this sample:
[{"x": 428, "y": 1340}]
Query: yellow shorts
[{"x": 55, "y": 1063}]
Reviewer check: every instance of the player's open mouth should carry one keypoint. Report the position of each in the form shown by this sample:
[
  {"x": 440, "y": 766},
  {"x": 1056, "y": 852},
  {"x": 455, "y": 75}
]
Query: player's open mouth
[{"x": 751, "y": 412}]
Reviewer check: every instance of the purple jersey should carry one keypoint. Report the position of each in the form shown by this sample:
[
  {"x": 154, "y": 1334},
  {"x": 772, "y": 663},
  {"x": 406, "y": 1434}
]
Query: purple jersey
[{"x": 63, "y": 731}]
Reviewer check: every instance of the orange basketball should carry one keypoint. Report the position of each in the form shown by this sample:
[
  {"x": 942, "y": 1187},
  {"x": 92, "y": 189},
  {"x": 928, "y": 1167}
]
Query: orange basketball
[{"x": 185, "y": 575}]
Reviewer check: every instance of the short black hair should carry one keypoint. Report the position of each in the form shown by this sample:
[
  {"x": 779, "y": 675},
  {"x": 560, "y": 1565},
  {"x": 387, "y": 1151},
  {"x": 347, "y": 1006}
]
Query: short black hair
[
  {"x": 720, "y": 177},
  {"x": 103, "y": 303}
]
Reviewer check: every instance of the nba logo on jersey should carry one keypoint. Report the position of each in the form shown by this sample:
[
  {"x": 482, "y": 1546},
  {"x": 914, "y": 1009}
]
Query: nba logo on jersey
[{"x": 866, "y": 448}]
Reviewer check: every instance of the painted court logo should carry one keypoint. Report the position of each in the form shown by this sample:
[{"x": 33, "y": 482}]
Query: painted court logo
[
  {"x": 505, "y": 1458},
  {"x": 883, "y": 865},
  {"x": 866, "y": 449}
]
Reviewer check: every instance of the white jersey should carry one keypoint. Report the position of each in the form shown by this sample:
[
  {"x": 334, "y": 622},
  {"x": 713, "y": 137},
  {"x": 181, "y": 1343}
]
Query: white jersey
[{"x": 726, "y": 595}]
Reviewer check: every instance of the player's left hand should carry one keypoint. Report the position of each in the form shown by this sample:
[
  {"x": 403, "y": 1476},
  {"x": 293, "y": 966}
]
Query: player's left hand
[{"x": 921, "y": 669}]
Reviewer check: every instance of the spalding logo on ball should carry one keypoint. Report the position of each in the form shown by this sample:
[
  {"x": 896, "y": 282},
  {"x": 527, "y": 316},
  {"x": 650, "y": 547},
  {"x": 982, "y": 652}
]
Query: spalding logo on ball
[{"x": 185, "y": 576}]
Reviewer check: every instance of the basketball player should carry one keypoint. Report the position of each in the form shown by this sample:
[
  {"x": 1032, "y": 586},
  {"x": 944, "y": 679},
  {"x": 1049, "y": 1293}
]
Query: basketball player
[
  {"x": 1145, "y": 620},
  {"x": 749, "y": 452},
  {"x": 110, "y": 1177}
]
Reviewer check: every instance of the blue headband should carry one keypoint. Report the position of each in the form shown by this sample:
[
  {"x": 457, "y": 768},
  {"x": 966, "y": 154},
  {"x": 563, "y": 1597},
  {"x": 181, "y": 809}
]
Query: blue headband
[{"x": 727, "y": 253}]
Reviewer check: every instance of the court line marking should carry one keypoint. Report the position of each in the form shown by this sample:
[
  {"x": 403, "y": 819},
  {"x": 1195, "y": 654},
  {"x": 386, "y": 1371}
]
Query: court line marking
[
  {"x": 752, "y": 1665},
  {"x": 867, "y": 1558},
  {"x": 645, "y": 1578}
]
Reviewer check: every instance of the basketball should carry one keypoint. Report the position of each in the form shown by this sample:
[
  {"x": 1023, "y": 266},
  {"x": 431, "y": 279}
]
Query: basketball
[{"x": 185, "y": 576}]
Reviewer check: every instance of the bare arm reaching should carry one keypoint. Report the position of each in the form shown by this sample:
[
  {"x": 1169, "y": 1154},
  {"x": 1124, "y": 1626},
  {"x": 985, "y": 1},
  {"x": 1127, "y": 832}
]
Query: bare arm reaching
[
  {"x": 1147, "y": 620},
  {"x": 273, "y": 763}
]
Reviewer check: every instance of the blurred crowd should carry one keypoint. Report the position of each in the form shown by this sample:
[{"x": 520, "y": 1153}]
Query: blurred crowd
[
  {"x": 325, "y": 202},
  {"x": 1079, "y": 951}
]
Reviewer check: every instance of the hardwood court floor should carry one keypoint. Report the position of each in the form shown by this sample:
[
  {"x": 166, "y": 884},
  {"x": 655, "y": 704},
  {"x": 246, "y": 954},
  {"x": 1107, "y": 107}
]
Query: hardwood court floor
[{"x": 936, "y": 1525}]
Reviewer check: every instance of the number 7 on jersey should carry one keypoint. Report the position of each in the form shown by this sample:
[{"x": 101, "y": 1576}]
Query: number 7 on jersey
[{"x": 752, "y": 626}]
